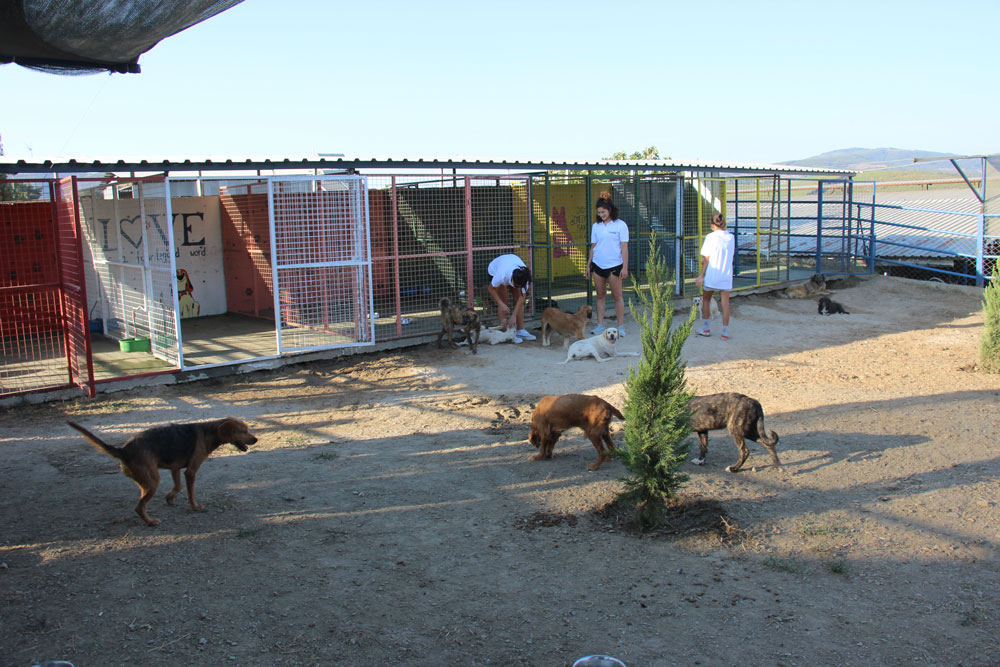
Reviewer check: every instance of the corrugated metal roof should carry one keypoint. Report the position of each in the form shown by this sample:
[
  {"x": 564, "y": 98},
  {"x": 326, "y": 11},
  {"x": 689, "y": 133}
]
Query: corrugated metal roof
[
  {"x": 939, "y": 224},
  {"x": 66, "y": 165}
]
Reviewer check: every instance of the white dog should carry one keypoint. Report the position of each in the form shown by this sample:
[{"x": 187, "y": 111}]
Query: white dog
[
  {"x": 600, "y": 347},
  {"x": 493, "y": 335},
  {"x": 713, "y": 307}
]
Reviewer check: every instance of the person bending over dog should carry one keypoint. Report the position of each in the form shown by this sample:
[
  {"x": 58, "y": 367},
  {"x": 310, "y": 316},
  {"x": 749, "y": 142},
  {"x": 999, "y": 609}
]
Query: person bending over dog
[
  {"x": 717, "y": 253},
  {"x": 508, "y": 272}
]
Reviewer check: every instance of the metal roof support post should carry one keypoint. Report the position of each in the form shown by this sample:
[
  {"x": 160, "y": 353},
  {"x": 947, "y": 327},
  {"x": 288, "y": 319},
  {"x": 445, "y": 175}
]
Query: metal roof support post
[
  {"x": 819, "y": 228},
  {"x": 679, "y": 236},
  {"x": 589, "y": 194}
]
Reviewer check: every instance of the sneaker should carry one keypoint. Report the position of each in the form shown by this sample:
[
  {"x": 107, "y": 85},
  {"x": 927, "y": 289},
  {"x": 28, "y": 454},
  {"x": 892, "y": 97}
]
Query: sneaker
[
  {"x": 724, "y": 336},
  {"x": 705, "y": 332},
  {"x": 621, "y": 332},
  {"x": 524, "y": 335},
  {"x": 517, "y": 340},
  {"x": 599, "y": 329}
]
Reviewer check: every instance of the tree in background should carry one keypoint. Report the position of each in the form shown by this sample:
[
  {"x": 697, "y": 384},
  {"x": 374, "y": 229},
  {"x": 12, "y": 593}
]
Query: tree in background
[
  {"x": 648, "y": 153},
  {"x": 989, "y": 343},
  {"x": 657, "y": 416},
  {"x": 18, "y": 191}
]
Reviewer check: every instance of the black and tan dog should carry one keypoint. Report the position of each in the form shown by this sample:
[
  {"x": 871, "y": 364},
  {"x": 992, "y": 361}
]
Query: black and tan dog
[
  {"x": 741, "y": 415},
  {"x": 807, "y": 288},
  {"x": 172, "y": 447},
  {"x": 555, "y": 414},
  {"x": 827, "y": 306},
  {"x": 454, "y": 315}
]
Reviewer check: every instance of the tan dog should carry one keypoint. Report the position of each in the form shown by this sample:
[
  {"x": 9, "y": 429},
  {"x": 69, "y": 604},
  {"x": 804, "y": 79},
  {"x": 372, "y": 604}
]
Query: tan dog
[
  {"x": 600, "y": 347},
  {"x": 713, "y": 307},
  {"x": 565, "y": 324},
  {"x": 173, "y": 447},
  {"x": 555, "y": 414},
  {"x": 806, "y": 289}
]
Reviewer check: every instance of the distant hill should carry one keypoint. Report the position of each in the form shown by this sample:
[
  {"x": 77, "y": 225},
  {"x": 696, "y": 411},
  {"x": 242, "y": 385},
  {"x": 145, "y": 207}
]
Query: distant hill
[{"x": 863, "y": 159}]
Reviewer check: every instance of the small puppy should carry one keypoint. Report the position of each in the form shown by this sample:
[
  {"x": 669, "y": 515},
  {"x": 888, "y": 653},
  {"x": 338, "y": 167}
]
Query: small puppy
[
  {"x": 555, "y": 414},
  {"x": 828, "y": 306},
  {"x": 741, "y": 415},
  {"x": 493, "y": 336},
  {"x": 809, "y": 288},
  {"x": 454, "y": 315},
  {"x": 600, "y": 347},
  {"x": 172, "y": 447},
  {"x": 713, "y": 307},
  {"x": 564, "y": 323}
]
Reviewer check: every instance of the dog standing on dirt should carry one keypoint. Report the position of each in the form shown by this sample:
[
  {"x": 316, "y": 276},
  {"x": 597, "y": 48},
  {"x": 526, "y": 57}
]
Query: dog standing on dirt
[
  {"x": 827, "y": 306},
  {"x": 555, "y": 414},
  {"x": 454, "y": 315},
  {"x": 741, "y": 415},
  {"x": 809, "y": 288},
  {"x": 172, "y": 447},
  {"x": 600, "y": 347},
  {"x": 565, "y": 324}
]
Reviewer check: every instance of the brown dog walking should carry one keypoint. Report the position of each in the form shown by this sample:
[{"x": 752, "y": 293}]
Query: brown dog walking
[
  {"x": 172, "y": 447},
  {"x": 555, "y": 414}
]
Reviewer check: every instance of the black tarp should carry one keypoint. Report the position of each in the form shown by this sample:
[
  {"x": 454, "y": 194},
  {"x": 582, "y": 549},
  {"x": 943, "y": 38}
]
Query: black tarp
[{"x": 86, "y": 36}]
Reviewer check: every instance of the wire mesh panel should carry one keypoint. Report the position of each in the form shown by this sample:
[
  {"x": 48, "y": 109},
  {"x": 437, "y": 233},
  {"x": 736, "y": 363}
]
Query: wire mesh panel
[
  {"x": 322, "y": 263},
  {"x": 69, "y": 244},
  {"x": 129, "y": 235},
  {"x": 32, "y": 344}
]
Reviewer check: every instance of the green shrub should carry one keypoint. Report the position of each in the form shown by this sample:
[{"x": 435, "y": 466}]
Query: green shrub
[
  {"x": 657, "y": 416},
  {"x": 989, "y": 344}
]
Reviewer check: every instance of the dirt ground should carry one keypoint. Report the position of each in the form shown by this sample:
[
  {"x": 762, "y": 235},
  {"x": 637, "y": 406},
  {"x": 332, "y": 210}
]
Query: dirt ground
[{"x": 390, "y": 515}]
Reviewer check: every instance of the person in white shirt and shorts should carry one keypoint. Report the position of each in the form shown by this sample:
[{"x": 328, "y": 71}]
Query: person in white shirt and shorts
[
  {"x": 608, "y": 260},
  {"x": 508, "y": 272},
  {"x": 717, "y": 254}
]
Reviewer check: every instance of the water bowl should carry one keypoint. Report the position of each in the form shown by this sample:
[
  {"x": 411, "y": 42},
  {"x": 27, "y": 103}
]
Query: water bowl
[{"x": 598, "y": 661}]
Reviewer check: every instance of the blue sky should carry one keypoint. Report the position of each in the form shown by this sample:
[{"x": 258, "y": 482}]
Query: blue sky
[{"x": 710, "y": 80}]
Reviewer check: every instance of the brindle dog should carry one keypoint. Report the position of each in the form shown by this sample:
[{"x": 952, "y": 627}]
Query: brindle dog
[
  {"x": 454, "y": 315},
  {"x": 741, "y": 415}
]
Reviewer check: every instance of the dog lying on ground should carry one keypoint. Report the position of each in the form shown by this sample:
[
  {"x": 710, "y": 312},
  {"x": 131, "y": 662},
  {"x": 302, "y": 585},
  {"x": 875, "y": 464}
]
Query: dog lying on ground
[
  {"x": 565, "y": 324},
  {"x": 807, "y": 288},
  {"x": 828, "y": 306},
  {"x": 555, "y": 414},
  {"x": 172, "y": 447},
  {"x": 493, "y": 336},
  {"x": 713, "y": 307},
  {"x": 454, "y": 315},
  {"x": 741, "y": 415},
  {"x": 600, "y": 347}
]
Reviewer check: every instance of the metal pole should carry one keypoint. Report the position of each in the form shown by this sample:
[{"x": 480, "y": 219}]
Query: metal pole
[
  {"x": 819, "y": 228},
  {"x": 274, "y": 263}
]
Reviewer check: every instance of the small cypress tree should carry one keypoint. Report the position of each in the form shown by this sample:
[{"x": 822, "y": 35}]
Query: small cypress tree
[
  {"x": 657, "y": 415},
  {"x": 989, "y": 343}
]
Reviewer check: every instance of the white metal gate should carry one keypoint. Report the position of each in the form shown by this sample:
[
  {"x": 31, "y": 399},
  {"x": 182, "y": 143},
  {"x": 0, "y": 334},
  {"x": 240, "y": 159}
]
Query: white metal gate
[
  {"x": 131, "y": 242},
  {"x": 320, "y": 245}
]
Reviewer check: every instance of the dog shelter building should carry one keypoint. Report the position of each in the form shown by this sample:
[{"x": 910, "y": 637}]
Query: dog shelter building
[{"x": 113, "y": 269}]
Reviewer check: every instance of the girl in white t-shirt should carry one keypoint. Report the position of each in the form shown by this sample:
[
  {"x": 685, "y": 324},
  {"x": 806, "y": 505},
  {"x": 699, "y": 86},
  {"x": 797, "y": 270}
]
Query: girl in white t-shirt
[
  {"x": 717, "y": 254},
  {"x": 608, "y": 260}
]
